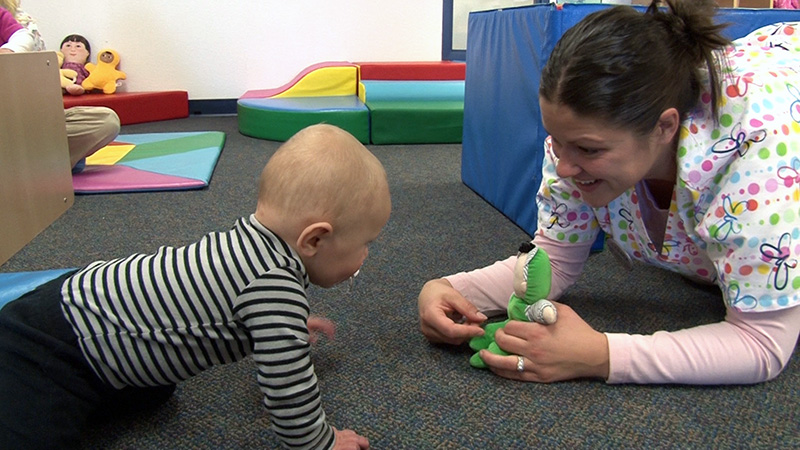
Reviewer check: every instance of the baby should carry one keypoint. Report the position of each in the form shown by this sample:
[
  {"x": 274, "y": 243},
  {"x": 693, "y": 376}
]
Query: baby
[{"x": 120, "y": 334}]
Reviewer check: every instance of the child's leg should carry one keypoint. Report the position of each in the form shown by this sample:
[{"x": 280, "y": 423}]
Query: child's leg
[
  {"x": 47, "y": 390},
  {"x": 89, "y": 128},
  {"x": 131, "y": 400}
]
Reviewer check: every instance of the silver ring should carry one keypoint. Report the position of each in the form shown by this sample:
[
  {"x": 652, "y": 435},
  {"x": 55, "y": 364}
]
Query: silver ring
[{"x": 520, "y": 364}]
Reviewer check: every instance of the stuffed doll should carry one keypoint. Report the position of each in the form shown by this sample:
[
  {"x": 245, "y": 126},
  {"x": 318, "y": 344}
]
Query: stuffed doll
[
  {"x": 76, "y": 50},
  {"x": 528, "y": 302},
  {"x": 104, "y": 75},
  {"x": 67, "y": 76}
]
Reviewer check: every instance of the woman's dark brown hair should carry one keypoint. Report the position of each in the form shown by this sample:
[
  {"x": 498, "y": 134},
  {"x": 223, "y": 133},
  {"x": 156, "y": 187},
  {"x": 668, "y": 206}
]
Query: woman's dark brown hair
[{"x": 626, "y": 68}]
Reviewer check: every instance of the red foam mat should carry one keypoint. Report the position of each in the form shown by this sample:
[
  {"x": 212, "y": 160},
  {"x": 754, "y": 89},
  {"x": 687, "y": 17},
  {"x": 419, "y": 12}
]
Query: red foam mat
[
  {"x": 433, "y": 70},
  {"x": 137, "y": 107}
]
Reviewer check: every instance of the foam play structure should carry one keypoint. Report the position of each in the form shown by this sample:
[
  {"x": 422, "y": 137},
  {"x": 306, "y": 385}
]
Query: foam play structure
[
  {"x": 379, "y": 103},
  {"x": 137, "y": 107},
  {"x": 503, "y": 142}
]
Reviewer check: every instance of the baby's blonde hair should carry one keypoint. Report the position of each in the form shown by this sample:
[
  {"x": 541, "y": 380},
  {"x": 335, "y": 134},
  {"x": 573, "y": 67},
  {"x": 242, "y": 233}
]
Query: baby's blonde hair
[{"x": 322, "y": 173}]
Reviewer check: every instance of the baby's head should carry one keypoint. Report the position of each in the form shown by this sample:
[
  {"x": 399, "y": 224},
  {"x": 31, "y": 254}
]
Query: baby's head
[{"x": 327, "y": 196}]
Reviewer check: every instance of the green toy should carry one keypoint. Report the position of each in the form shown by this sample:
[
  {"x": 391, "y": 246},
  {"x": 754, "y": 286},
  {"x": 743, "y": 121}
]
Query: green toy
[{"x": 528, "y": 302}]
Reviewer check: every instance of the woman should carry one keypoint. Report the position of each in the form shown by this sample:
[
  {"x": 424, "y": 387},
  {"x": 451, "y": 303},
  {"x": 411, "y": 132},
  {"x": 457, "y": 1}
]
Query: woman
[{"x": 683, "y": 148}]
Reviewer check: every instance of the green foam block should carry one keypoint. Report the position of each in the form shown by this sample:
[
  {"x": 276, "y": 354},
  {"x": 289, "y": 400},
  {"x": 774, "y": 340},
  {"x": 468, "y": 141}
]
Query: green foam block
[
  {"x": 416, "y": 122},
  {"x": 280, "y": 120}
]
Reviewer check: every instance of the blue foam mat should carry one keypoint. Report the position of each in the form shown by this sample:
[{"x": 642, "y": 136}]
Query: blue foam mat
[{"x": 14, "y": 284}]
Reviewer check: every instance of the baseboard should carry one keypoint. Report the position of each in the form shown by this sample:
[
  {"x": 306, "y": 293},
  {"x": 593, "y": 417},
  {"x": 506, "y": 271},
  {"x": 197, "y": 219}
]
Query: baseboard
[{"x": 226, "y": 106}]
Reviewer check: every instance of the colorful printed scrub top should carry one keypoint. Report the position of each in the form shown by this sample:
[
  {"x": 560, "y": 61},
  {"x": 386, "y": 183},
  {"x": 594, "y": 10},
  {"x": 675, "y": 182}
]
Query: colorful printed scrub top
[{"x": 735, "y": 212}]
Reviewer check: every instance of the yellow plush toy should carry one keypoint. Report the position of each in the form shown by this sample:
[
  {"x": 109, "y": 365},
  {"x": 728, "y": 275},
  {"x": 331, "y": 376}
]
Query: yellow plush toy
[
  {"x": 67, "y": 75},
  {"x": 104, "y": 75}
]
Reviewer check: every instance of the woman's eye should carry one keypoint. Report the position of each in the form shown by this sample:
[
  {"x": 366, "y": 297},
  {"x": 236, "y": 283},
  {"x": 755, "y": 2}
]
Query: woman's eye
[{"x": 588, "y": 151}]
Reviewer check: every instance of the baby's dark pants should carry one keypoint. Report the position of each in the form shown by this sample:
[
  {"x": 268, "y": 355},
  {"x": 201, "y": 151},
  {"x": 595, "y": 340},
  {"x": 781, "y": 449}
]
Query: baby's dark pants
[{"x": 48, "y": 392}]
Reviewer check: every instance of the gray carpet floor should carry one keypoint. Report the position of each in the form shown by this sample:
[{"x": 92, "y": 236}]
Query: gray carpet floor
[{"x": 379, "y": 376}]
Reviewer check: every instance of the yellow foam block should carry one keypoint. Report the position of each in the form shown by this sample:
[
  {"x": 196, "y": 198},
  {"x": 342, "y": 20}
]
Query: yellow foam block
[
  {"x": 362, "y": 92},
  {"x": 109, "y": 155},
  {"x": 325, "y": 82}
]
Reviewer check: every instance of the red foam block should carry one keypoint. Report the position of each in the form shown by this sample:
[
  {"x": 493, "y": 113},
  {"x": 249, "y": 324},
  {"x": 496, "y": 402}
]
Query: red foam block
[
  {"x": 137, "y": 107},
  {"x": 432, "y": 70}
]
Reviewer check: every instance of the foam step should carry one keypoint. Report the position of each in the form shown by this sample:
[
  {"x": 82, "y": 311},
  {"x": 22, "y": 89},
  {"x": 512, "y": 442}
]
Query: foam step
[
  {"x": 413, "y": 90},
  {"x": 278, "y": 119},
  {"x": 416, "y": 122},
  {"x": 426, "y": 70},
  {"x": 137, "y": 107}
]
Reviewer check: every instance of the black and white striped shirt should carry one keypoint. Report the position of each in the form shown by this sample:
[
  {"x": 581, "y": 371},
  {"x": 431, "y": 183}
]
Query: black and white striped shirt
[{"x": 149, "y": 320}]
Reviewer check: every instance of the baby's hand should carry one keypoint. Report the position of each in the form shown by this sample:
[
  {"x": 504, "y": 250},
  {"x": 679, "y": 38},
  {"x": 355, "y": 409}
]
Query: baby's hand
[
  {"x": 317, "y": 325},
  {"x": 348, "y": 439}
]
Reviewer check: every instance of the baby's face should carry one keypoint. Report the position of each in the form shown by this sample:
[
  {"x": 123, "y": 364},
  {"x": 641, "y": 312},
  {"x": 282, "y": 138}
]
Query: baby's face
[{"x": 344, "y": 253}]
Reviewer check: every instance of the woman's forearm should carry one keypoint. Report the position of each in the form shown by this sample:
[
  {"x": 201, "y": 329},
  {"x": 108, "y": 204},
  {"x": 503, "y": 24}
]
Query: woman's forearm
[{"x": 746, "y": 348}]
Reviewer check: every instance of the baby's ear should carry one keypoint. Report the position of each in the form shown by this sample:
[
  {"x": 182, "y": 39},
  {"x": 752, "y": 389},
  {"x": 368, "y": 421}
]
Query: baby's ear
[{"x": 310, "y": 238}]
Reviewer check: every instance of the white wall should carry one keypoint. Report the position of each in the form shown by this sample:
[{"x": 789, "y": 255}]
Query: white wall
[{"x": 220, "y": 49}]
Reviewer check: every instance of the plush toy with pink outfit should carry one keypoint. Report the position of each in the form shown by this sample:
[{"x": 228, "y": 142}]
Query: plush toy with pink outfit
[{"x": 76, "y": 50}]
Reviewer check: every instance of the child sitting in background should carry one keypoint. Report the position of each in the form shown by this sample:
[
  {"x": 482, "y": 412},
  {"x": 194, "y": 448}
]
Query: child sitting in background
[
  {"x": 27, "y": 22},
  {"x": 89, "y": 128},
  {"x": 14, "y": 37},
  {"x": 119, "y": 334}
]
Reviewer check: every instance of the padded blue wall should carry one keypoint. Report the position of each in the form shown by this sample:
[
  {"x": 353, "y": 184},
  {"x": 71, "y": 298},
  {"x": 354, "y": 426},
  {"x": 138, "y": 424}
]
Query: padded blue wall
[{"x": 503, "y": 134}]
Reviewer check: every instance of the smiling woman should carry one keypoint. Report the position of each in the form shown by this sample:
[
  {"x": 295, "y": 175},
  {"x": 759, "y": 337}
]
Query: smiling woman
[
  {"x": 672, "y": 140},
  {"x": 604, "y": 161}
]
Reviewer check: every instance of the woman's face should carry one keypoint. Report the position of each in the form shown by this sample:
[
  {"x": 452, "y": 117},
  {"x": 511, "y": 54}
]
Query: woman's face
[{"x": 602, "y": 161}]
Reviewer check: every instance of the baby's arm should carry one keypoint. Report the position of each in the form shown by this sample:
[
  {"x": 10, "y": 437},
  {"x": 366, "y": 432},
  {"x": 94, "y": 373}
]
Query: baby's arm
[
  {"x": 274, "y": 310},
  {"x": 745, "y": 348}
]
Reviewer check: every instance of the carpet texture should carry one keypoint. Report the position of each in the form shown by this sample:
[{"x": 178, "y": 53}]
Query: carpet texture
[{"x": 379, "y": 376}]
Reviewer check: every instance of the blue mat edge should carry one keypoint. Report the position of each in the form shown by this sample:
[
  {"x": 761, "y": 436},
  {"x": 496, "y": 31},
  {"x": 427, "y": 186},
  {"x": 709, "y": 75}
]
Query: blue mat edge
[{"x": 15, "y": 284}]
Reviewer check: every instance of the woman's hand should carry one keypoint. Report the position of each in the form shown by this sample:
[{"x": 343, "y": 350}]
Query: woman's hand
[
  {"x": 445, "y": 316},
  {"x": 567, "y": 349}
]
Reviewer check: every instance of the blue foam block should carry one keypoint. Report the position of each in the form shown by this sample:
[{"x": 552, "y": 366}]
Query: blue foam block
[
  {"x": 382, "y": 90},
  {"x": 15, "y": 284}
]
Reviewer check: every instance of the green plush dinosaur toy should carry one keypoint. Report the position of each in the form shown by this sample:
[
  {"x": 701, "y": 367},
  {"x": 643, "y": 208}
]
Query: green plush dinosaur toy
[{"x": 532, "y": 277}]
